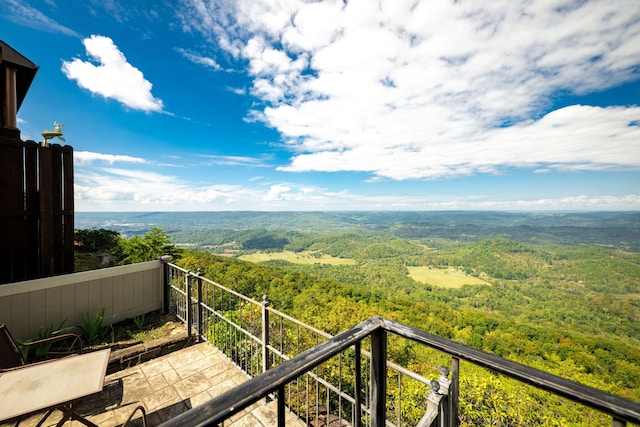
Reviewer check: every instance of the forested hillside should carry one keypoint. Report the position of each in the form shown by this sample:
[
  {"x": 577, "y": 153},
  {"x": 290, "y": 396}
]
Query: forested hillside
[
  {"x": 559, "y": 292},
  {"x": 573, "y": 311}
]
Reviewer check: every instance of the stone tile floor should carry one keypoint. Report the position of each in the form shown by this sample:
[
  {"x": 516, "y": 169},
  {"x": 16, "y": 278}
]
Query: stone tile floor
[{"x": 168, "y": 386}]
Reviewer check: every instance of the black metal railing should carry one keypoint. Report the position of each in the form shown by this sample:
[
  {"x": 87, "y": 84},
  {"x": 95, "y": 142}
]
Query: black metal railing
[
  {"x": 257, "y": 337},
  {"x": 269, "y": 351}
]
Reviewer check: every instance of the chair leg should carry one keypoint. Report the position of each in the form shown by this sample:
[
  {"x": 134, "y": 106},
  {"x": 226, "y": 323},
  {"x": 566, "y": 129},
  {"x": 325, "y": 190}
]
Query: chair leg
[
  {"x": 43, "y": 419},
  {"x": 144, "y": 416}
]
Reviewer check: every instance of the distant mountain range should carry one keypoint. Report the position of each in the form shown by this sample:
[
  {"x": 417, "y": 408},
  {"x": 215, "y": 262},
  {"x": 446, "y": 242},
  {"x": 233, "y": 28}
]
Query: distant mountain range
[{"x": 613, "y": 229}]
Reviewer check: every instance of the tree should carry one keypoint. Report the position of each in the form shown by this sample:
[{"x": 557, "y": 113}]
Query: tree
[
  {"x": 148, "y": 247},
  {"x": 96, "y": 240}
]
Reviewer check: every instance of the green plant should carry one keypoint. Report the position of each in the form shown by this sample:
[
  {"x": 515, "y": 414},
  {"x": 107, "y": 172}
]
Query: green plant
[
  {"x": 43, "y": 348},
  {"x": 139, "y": 321},
  {"x": 92, "y": 327}
]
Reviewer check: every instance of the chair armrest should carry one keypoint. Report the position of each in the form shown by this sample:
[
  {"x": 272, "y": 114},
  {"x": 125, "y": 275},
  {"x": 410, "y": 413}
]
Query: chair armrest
[{"x": 77, "y": 341}]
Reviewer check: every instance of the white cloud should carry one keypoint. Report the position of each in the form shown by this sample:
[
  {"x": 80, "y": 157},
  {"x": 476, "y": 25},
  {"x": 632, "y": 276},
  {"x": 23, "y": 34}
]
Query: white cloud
[
  {"x": 23, "y": 14},
  {"x": 277, "y": 192},
  {"x": 113, "y": 77},
  {"x": 114, "y": 189},
  {"x": 234, "y": 161},
  {"x": 199, "y": 59},
  {"x": 423, "y": 90},
  {"x": 137, "y": 185},
  {"x": 88, "y": 157},
  {"x": 117, "y": 189},
  {"x": 582, "y": 137}
]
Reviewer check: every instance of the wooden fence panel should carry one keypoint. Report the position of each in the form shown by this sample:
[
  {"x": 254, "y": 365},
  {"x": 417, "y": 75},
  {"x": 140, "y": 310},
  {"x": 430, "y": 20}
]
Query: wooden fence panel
[
  {"x": 68, "y": 209},
  {"x": 31, "y": 217},
  {"x": 11, "y": 199},
  {"x": 36, "y": 210}
]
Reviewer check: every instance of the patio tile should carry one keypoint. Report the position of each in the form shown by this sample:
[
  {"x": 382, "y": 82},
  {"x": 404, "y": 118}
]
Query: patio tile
[
  {"x": 201, "y": 365},
  {"x": 264, "y": 414},
  {"x": 192, "y": 386},
  {"x": 200, "y": 398},
  {"x": 181, "y": 359},
  {"x": 157, "y": 382},
  {"x": 156, "y": 367},
  {"x": 222, "y": 371},
  {"x": 222, "y": 387},
  {"x": 291, "y": 420},
  {"x": 134, "y": 387},
  {"x": 161, "y": 398},
  {"x": 248, "y": 420},
  {"x": 171, "y": 376}
]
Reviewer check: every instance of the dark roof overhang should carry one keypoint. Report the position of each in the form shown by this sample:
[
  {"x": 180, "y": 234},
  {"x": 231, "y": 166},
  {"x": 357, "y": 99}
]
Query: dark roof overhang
[{"x": 25, "y": 69}]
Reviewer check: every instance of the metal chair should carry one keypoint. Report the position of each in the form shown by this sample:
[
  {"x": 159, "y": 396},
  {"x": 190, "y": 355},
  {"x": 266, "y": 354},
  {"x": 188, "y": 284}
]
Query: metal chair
[{"x": 11, "y": 356}]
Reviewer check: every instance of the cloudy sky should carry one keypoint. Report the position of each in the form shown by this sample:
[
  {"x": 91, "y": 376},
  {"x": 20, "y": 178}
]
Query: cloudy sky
[{"x": 349, "y": 105}]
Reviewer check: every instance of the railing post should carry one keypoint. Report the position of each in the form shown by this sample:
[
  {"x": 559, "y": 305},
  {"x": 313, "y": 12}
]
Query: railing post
[
  {"x": 444, "y": 406},
  {"x": 619, "y": 423},
  {"x": 378, "y": 377},
  {"x": 199, "y": 312},
  {"x": 454, "y": 392},
  {"x": 166, "y": 286},
  {"x": 281, "y": 412},
  {"x": 188, "y": 304},
  {"x": 266, "y": 364}
]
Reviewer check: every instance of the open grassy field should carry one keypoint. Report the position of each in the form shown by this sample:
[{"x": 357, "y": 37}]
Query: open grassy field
[
  {"x": 444, "y": 278},
  {"x": 305, "y": 257}
]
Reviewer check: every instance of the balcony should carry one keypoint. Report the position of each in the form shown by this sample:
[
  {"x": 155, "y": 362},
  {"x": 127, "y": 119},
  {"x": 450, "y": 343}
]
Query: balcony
[{"x": 256, "y": 363}]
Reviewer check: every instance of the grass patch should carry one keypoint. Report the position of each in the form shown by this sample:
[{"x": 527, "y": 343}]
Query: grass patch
[
  {"x": 306, "y": 257},
  {"x": 152, "y": 326},
  {"x": 444, "y": 278}
]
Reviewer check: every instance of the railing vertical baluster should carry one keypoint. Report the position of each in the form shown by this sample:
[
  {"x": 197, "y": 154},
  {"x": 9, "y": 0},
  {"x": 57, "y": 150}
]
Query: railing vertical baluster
[
  {"x": 317, "y": 394},
  {"x": 214, "y": 323},
  {"x": 199, "y": 310},
  {"x": 619, "y": 423},
  {"x": 340, "y": 387},
  {"x": 265, "y": 334},
  {"x": 307, "y": 393},
  {"x": 358, "y": 386},
  {"x": 328, "y": 416},
  {"x": 188, "y": 303},
  {"x": 378, "y": 377},
  {"x": 399, "y": 399},
  {"x": 281, "y": 334},
  {"x": 454, "y": 392}
]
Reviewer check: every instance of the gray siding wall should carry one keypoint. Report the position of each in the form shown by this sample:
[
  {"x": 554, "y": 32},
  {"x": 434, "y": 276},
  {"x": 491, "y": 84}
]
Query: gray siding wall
[{"x": 124, "y": 292}]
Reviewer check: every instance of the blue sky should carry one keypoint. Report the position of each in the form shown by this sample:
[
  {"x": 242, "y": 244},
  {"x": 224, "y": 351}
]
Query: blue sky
[{"x": 331, "y": 105}]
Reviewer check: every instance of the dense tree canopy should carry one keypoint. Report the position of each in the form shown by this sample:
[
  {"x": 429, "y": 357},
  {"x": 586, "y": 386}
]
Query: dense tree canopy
[
  {"x": 147, "y": 247},
  {"x": 150, "y": 246}
]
